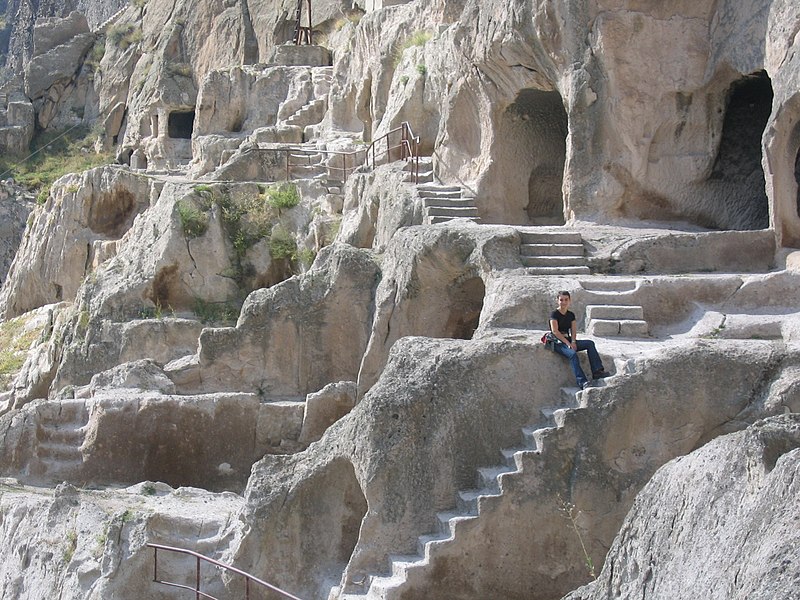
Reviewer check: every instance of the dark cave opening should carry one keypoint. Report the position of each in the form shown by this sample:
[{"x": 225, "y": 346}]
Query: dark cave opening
[
  {"x": 738, "y": 162},
  {"x": 466, "y": 303},
  {"x": 180, "y": 125},
  {"x": 532, "y": 150}
]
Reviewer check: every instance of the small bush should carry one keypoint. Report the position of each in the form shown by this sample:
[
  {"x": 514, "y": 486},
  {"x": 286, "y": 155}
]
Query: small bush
[
  {"x": 215, "y": 312},
  {"x": 124, "y": 35},
  {"x": 139, "y": 3},
  {"x": 283, "y": 196},
  {"x": 179, "y": 70},
  {"x": 193, "y": 221},
  {"x": 72, "y": 545},
  {"x": 416, "y": 39},
  {"x": 422, "y": 70},
  {"x": 282, "y": 244}
]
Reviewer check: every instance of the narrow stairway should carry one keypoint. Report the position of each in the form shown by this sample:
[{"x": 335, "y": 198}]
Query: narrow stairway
[
  {"x": 552, "y": 253},
  {"x": 60, "y": 434},
  {"x": 443, "y": 203},
  {"x": 617, "y": 316},
  {"x": 388, "y": 585}
]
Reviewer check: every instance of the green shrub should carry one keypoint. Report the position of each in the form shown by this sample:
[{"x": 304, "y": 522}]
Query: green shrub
[
  {"x": 416, "y": 39},
  {"x": 179, "y": 70},
  {"x": 283, "y": 196},
  {"x": 215, "y": 312},
  {"x": 422, "y": 70},
  {"x": 139, "y": 3},
  {"x": 282, "y": 244},
  {"x": 193, "y": 221},
  {"x": 123, "y": 35}
]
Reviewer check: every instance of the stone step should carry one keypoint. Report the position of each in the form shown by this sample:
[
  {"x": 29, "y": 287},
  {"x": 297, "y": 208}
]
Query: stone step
[
  {"x": 550, "y": 237},
  {"x": 439, "y": 219},
  {"x": 467, "y": 501},
  {"x": 59, "y": 452},
  {"x": 448, "y": 202},
  {"x": 64, "y": 434},
  {"x": 488, "y": 476},
  {"x": 435, "y": 195},
  {"x": 577, "y": 270},
  {"x": 553, "y": 261},
  {"x": 551, "y": 249},
  {"x": 61, "y": 412},
  {"x": 435, "y": 188},
  {"x": 540, "y": 437},
  {"x": 619, "y": 328},
  {"x": 608, "y": 284},
  {"x": 454, "y": 212},
  {"x": 401, "y": 564},
  {"x": 614, "y": 311},
  {"x": 425, "y": 543}
]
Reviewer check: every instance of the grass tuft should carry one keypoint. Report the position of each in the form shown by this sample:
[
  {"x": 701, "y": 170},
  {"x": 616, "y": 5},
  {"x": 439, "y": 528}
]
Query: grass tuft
[{"x": 54, "y": 157}]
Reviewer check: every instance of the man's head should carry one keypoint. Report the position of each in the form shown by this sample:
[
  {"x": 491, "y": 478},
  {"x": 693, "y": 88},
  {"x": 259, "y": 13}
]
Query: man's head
[{"x": 564, "y": 298}]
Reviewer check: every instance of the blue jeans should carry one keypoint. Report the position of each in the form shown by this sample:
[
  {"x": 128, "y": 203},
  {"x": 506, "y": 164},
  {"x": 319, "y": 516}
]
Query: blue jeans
[{"x": 574, "y": 361}]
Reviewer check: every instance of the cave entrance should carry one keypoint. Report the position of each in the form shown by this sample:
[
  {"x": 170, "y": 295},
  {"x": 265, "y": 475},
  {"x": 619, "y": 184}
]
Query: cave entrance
[
  {"x": 465, "y": 305},
  {"x": 738, "y": 163},
  {"x": 530, "y": 153},
  {"x": 180, "y": 125}
]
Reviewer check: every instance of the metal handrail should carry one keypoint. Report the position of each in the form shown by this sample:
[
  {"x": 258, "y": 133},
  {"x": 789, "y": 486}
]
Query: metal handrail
[
  {"x": 408, "y": 146},
  {"x": 196, "y": 588}
]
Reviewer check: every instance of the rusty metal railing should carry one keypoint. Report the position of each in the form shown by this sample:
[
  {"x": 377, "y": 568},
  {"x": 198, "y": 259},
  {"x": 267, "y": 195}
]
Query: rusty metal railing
[
  {"x": 385, "y": 149},
  {"x": 200, "y": 558}
]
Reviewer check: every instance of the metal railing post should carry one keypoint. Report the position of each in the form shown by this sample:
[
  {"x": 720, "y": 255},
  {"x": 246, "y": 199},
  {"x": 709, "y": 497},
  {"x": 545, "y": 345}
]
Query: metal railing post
[
  {"x": 197, "y": 580},
  {"x": 155, "y": 564}
]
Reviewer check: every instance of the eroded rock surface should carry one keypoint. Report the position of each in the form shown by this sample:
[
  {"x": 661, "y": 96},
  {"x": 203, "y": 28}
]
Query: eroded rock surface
[{"x": 721, "y": 521}]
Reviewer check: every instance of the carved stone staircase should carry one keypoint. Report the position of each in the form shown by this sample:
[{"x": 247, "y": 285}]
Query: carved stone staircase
[
  {"x": 388, "y": 586},
  {"x": 443, "y": 203},
  {"x": 60, "y": 433},
  {"x": 314, "y": 111},
  {"x": 618, "y": 315},
  {"x": 552, "y": 253}
]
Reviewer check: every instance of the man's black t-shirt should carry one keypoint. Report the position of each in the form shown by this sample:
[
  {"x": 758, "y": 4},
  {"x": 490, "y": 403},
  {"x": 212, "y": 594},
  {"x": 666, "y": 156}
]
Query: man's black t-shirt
[{"x": 564, "y": 322}]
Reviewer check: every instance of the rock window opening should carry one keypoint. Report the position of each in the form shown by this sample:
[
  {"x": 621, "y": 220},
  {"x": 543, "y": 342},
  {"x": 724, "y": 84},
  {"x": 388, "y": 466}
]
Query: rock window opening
[
  {"x": 180, "y": 125},
  {"x": 738, "y": 163},
  {"x": 466, "y": 303}
]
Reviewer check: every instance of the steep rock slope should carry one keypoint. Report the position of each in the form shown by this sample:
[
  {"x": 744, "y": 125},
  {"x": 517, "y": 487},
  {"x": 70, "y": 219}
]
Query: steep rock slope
[{"x": 721, "y": 522}]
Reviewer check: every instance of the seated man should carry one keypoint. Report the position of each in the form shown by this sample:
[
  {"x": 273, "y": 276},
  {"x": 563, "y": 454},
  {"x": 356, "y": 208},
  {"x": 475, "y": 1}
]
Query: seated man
[{"x": 564, "y": 327}]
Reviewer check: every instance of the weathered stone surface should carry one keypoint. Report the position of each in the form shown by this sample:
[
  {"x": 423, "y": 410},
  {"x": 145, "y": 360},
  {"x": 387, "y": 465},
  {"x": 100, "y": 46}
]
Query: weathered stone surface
[
  {"x": 723, "y": 518},
  {"x": 15, "y": 206},
  {"x": 298, "y": 336},
  {"x": 98, "y": 538},
  {"x": 58, "y": 247},
  {"x": 325, "y": 407}
]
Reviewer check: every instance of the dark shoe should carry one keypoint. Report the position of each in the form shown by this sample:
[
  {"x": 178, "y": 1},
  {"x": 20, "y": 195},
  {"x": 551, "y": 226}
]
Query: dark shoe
[
  {"x": 601, "y": 374},
  {"x": 585, "y": 385}
]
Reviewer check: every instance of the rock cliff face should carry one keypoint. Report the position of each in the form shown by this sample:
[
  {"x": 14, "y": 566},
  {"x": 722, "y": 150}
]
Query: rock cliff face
[
  {"x": 295, "y": 327},
  {"x": 721, "y": 522}
]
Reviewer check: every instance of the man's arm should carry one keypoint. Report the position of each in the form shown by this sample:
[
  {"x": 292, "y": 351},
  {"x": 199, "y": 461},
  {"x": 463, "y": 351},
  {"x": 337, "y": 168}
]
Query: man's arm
[
  {"x": 557, "y": 333},
  {"x": 574, "y": 329}
]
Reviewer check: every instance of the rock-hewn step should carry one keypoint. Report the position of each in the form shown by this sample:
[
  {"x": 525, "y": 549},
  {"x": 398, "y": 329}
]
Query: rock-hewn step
[
  {"x": 550, "y": 237},
  {"x": 454, "y": 212},
  {"x": 552, "y": 253},
  {"x": 553, "y": 261},
  {"x": 614, "y": 311},
  {"x": 608, "y": 284},
  {"x": 577, "y": 270},
  {"x": 551, "y": 249},
  {"x": 622, "y": 328}
]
